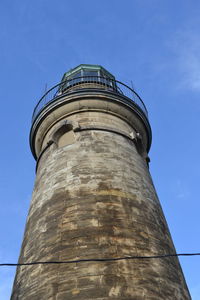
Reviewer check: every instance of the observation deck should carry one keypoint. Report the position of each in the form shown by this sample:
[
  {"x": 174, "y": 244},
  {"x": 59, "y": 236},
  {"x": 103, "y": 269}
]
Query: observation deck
[{"x": 90, "y": 80}]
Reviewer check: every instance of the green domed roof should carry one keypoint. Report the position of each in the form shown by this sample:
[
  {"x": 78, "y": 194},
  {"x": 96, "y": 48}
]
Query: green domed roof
[{"x": 87, "y": 70}]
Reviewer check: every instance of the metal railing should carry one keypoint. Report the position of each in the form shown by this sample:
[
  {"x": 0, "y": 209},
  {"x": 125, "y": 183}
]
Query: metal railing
[{"x": 80, "y": 83}]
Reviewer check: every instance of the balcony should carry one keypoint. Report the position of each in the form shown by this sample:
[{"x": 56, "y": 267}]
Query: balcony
[{"x": 73, "y": 84}]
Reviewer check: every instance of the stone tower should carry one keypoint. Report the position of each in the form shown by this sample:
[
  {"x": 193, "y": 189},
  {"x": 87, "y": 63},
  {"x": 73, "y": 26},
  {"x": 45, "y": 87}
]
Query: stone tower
[{"x": 94, "y": 198}]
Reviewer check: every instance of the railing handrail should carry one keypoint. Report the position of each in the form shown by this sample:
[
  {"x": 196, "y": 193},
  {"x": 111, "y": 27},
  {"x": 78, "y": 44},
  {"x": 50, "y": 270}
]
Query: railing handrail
[{"x": 114, "y": 88}]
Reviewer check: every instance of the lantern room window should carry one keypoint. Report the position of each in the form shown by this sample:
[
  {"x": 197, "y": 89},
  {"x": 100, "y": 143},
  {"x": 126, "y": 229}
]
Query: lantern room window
[{"x": 88, "y": 74}]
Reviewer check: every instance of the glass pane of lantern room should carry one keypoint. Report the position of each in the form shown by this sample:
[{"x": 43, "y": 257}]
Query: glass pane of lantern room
[
  {"x": 104, "y": 78},
  {"x": 90, "y": 75},
  {"x": 70, "y": 80},
  {"x": 76, "y": 78}
]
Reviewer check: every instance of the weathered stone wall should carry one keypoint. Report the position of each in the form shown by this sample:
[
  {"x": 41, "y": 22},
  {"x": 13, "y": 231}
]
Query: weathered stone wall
[{"x": 94, "y": 198}]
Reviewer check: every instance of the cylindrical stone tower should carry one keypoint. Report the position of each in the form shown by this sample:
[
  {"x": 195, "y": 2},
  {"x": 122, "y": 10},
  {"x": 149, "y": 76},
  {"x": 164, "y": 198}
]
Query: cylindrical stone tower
[{"x": 94, "y": 198}]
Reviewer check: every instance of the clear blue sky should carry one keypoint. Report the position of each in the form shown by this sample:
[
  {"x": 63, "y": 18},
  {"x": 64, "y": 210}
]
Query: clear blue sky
[{"x": 155, "y": 44}]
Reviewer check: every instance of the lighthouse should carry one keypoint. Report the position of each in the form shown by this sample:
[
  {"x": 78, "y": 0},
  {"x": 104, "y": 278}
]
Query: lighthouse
[{"x": 94, "y": 198}]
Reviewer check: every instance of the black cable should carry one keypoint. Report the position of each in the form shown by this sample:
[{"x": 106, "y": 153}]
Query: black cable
[{"x": 96, "y": 260}]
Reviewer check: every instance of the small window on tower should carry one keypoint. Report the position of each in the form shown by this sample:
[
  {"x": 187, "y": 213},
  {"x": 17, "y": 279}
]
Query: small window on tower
[
  {"x": 64, "y": 135},
  {"x": 67, "y": 138}
]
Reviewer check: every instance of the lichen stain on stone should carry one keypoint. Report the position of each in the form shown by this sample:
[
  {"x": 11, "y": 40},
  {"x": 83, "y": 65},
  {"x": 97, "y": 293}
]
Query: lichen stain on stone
[
  {"x": 115, "y": 192},
  {"x": 94, "y": 222},
  {"x": 114, "y": 291},
  {"x": 75, "y": 292}
]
